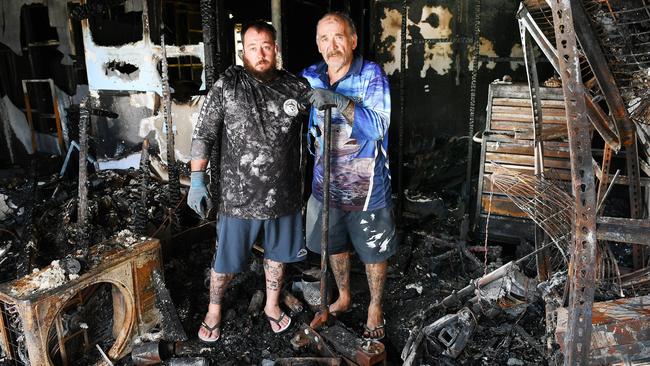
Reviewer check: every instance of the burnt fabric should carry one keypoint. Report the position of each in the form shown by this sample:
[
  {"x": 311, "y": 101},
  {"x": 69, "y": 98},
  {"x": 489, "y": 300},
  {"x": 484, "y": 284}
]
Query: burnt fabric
[{"x": 257, "y": 128}]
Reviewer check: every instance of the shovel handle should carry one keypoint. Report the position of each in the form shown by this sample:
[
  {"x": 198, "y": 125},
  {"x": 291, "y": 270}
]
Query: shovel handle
[{"x": 324, "y": 255}]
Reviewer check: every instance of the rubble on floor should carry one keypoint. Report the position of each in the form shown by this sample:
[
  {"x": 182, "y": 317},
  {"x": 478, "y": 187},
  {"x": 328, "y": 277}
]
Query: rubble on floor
[{"x": 445, "y": 302}]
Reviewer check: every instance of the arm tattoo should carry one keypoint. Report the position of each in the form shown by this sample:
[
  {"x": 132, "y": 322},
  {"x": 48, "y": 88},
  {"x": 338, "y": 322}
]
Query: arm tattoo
[
  {"x": 218, "y": 285},
  {"x": 348, "y": 113}
]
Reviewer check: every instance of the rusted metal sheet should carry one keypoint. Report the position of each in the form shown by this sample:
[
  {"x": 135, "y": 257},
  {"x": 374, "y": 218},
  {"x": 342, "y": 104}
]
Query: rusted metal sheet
[
  {"x": 621, "y": 330},
  {"x": 583, "y": 254},
  {"x": 126, "y": 268}
]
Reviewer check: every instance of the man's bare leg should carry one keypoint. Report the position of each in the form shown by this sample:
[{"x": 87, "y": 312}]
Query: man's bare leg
[
  {"x": 376, "y": 273},
  {"x": 218, "y": 285},
  {"x": 340, "y": 264},
  {"x": 274, "y": 273}
]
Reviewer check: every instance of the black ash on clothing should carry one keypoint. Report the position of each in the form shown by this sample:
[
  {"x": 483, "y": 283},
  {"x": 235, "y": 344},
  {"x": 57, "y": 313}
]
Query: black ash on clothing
[{"x": 257, "y": 128}]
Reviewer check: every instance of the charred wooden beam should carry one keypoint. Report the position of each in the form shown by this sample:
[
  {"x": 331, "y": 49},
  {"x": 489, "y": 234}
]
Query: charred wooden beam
[
  {"x": 624, "y": 230},
  {"x": 141, "y": 217},
  {"x": 172, "y": 326},
  {"x": 174, "y": 182}
]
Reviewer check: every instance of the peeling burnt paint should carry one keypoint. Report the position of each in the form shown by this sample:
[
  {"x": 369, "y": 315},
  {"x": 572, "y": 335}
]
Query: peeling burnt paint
[
  {"x": 11, "y": 27},
  {"x": 141, "y": 114},
  {"x": 143, "y": 55},
  {"x": 486, "y": 49},
  {"x": 435, "y": 23}
]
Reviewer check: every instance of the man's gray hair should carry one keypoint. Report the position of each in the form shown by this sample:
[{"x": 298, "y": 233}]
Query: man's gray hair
[{"x": 341, "y": 16}]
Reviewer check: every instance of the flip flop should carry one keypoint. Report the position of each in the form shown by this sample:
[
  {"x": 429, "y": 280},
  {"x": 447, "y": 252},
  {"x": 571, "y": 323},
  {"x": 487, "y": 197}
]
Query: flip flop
[
  {"x": 277, "y": 321},
  {"x": 337, "y": 314},
  {"x": 210, "y": 329},
  {"x": 367, "y": 334}
]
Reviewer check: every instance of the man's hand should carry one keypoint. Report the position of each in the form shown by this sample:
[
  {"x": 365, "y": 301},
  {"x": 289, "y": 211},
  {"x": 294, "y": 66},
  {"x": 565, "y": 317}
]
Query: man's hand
[
  {"x": 321, "y": 98},
  {"x": 198, "y": 197}
]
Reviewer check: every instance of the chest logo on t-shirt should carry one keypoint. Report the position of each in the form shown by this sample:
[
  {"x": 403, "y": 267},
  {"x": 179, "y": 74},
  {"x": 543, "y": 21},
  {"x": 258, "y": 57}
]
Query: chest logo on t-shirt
[{"x": 290, "y": 107}]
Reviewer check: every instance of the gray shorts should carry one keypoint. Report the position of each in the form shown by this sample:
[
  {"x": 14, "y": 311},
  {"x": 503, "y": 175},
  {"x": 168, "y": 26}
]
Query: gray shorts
[
  {"x": 372, "y": 233},
  {"x": 283, "y": 241}
]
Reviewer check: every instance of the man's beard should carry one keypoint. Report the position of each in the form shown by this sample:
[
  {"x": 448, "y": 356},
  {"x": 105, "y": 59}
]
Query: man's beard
[
  {"x": 339, "y": 64},
  {"x": 267, "y": 75}
]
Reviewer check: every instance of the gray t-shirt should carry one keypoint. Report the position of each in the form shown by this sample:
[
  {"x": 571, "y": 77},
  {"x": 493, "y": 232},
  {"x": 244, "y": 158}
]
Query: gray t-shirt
[{"x": 257, "y": 126}]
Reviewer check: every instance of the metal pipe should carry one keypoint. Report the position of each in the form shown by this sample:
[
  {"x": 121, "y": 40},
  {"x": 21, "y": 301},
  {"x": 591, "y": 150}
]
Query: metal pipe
[
  {"x": 542, "y": 259},
  {"x": 611, "y": 184}
]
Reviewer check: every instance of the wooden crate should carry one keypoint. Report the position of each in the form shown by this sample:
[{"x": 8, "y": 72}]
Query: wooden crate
[{"x": 508, "y": 141}]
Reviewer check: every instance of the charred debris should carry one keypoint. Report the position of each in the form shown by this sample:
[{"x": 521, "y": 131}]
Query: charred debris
[{"x": 522, "y": 202}]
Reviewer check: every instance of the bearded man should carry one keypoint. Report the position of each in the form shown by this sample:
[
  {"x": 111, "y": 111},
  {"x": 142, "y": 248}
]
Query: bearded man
[{"x": 253, "y": 114}]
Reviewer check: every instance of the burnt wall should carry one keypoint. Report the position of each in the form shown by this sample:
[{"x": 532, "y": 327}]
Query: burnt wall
[{"x": 439, "y": 57}]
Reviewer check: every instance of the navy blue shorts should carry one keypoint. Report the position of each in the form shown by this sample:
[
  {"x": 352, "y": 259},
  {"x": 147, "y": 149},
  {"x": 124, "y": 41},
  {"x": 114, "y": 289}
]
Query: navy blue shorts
[
  {"x": 283, "y": 241},
  {"x": 372, "y": 233}
]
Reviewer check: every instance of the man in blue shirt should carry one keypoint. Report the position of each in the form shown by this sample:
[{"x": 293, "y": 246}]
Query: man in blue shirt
[{"x": 360, "y": 191}]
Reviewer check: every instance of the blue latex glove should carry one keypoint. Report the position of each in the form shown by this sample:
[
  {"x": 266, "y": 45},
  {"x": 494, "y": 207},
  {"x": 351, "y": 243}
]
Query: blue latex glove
[
  {"x": 321, "y": 98},
  {"x": 198, "y": 197}
]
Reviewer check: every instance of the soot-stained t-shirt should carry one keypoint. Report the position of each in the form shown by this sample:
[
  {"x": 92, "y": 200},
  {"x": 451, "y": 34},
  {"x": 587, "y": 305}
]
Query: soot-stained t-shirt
[{"x": 257, "y": 125}]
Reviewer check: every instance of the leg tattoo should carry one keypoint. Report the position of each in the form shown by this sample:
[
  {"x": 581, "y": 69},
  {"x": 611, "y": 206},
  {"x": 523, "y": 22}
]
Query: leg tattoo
[
  {"x": 341, "y": 269},
  {"x": 376, "y": 279},
  {"x": 273, "y": 272},
  {"x": 218, "y": 285},
  {"x": 376, "y": 273}
]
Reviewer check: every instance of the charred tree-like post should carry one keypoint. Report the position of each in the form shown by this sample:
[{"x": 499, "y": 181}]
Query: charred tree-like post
[
  {"x": 82, "y": 208},
  {"x": 174, "y": 183},
  {"x": 583, "y": 254},
  {"x": 24, "y": 262},
  {"x": 140, "y": 221},
  {"x": 212, "y": 24},
  {"x": 208, "y": 23}
]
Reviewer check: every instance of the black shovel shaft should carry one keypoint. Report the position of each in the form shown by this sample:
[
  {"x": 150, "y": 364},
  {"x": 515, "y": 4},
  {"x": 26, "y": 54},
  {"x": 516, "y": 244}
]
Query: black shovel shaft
[{"x": 327, "y": 144}]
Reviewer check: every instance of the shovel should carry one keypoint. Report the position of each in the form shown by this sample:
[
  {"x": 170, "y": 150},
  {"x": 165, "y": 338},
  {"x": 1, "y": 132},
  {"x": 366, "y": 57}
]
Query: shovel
[{"x": 323, "y": 315}]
